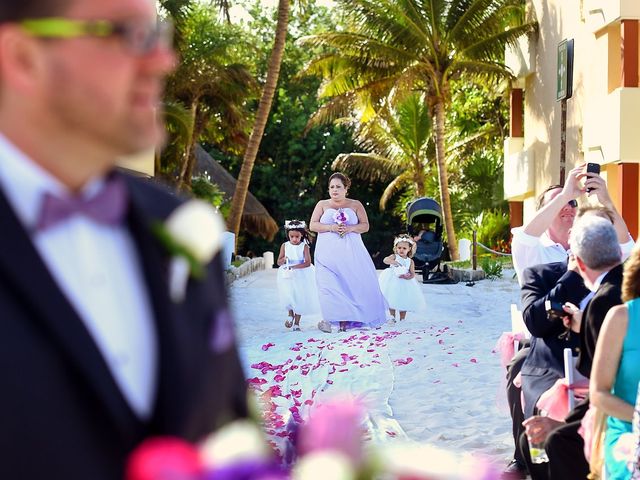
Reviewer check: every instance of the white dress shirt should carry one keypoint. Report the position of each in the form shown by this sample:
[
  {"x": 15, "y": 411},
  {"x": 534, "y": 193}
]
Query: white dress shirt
[
  {"x": 528, "y": 250},
  {"x": 97, "y": 268}
]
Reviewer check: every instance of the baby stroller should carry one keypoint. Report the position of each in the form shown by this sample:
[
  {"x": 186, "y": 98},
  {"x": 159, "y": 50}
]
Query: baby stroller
[{"x": 424, "y": 219}]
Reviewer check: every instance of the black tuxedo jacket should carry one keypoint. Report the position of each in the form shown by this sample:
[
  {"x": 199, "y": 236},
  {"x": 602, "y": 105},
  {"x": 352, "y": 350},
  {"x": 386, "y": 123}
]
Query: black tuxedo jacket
[
  {"x": 608, "y": 295},
  {"x": 62, "y": 415},
  {"x": 545, "y": 362}
]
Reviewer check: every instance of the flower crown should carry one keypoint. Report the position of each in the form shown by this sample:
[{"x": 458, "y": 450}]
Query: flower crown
[
  {"x": 404, "y": 238},
  {"x": 290, "y": 224}
]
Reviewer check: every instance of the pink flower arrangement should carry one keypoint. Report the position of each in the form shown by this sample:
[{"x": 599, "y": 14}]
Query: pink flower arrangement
[{"x": 328, "y": 445}]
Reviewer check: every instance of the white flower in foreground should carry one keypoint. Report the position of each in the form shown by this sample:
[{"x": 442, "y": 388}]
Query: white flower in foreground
[
  {"x": 240, "y": 440},
  {"x": 323, "y": 465},
  {"x": 424, "y": 461},
  {"x": 197, "y": 227}
]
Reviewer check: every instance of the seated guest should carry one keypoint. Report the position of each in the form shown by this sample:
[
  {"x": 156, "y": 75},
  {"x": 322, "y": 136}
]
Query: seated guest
[
  {"x": 616, "y": 367},
  {"x": 597, "y": 255},
  {"x": 557, "y": 282},
  {"x": 543, "y": 240}
]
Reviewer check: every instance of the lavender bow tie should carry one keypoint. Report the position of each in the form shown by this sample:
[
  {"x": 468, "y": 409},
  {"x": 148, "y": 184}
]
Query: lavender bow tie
[{"x": 107, "y": 207}]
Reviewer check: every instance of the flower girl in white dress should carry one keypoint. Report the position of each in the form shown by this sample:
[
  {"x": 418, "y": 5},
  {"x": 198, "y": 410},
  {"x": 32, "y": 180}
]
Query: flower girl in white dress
[
  {"x": 398, "y": 283},
  {"x": 297, "y": 290}
]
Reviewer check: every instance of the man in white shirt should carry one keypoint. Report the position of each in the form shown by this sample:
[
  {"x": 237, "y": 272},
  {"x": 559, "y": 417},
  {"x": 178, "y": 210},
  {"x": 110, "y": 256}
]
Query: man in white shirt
[
  {"x": 545, "y": 238},
  {"x": 95, "y": 355}
]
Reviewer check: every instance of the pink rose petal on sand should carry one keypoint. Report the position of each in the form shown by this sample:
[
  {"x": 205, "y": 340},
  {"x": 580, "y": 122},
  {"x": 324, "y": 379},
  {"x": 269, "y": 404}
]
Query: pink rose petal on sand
[
  {"x": 267, "y": 346},
  {"x": 402, "y": 361},
  {"x": 473, "y": 360}
]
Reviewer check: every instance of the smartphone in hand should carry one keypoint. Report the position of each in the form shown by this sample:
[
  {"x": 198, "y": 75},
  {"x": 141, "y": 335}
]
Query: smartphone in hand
[{"x": 594, "y": 169}]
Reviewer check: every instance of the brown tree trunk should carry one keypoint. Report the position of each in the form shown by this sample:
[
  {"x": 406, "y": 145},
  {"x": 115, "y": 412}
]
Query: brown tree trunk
[
  {"x": 443, "y": 179},
  {"x": 186, "y": 168},
  {"x": 262, "y": 115},
  {"x": 418, "y": 179}
]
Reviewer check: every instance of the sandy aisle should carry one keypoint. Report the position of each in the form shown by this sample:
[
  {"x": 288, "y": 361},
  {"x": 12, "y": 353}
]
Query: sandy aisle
[{"x": 432, "y": 377}]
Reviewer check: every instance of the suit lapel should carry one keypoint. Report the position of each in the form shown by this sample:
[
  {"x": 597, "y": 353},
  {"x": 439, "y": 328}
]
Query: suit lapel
[
  {"x": 172, "y": 340},
  {"x": 47, "y": 306}
]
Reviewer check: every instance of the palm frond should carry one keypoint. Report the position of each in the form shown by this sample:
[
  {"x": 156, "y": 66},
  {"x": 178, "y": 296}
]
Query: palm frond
[
  {"x": 479, "y": 71},
  {"x": 492, "y": 47},
  {"x": 179, "y": 120},
  {"x": 359, "y": 45},
  {"x": 335, "y": 109},
  {"x": 401, "y": 181},
  {"x": 366, "y": 166}
]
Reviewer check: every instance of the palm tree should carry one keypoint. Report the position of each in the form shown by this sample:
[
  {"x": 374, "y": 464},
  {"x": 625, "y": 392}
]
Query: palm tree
[
  {"x": 224, "y": 8},
  {"x": 211, "y": 85},
  {"x": 395, "y": 46},
  {"x": 260, "y": 122},
  {"x": 398, "y": 142}
]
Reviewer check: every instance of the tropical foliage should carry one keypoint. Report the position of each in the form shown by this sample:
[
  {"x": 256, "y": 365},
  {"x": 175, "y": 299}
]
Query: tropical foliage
[
  {"x": 378, "y": 82},
  {"x": 397, "y": 140},
  {"x": 390, "y": 48},
  {"x": 208, "y": 91}
]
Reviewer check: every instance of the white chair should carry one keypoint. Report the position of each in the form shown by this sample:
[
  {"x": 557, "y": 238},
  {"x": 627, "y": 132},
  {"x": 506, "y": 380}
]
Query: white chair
[
  {"x": 576, "y": 381},
  {"x": 518, "y": 326},
  {"x": 569, "y": 370}
]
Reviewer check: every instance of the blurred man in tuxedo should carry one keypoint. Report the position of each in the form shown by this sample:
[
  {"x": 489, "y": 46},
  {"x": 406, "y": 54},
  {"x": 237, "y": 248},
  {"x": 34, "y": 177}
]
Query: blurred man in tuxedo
[{"x": 95, "y": 356}]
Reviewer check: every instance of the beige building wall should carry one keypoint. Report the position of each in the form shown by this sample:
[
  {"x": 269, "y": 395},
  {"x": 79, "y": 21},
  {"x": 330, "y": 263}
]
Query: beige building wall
[{"x": 603, "y": 113}]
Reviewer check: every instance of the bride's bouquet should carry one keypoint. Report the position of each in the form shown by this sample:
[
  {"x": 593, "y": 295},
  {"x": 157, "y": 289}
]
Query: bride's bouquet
[{"x": 341, "y": 218}]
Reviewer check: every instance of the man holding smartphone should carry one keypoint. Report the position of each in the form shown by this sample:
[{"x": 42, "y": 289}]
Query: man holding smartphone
[{"x": 545, "y": 238}]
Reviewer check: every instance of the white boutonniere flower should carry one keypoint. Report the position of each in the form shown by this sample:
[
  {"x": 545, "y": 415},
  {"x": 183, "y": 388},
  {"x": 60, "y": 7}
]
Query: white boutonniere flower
[{"x": 193, "y": 235}]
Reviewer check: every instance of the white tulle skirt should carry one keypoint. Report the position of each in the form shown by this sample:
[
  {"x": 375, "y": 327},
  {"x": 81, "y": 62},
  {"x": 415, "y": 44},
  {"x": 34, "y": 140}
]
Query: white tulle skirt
[
  {"x": 401, "y": 294},
  {"x": 297, "y": 290}
]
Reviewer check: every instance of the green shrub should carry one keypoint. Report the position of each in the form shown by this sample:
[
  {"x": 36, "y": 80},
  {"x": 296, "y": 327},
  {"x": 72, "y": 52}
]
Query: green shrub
[
  {"x": 492, "y": 268},
  {"x": 494, "y": 230},
  {"x": 202, "y": 188}
]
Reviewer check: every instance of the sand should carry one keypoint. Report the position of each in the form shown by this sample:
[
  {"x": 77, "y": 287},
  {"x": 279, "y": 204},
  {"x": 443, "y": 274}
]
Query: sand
[{"x": 434, "y": 378}]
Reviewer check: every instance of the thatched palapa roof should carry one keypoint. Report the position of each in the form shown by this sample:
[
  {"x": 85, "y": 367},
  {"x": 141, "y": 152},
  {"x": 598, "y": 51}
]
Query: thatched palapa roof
[{"x": 255, "y": 218}]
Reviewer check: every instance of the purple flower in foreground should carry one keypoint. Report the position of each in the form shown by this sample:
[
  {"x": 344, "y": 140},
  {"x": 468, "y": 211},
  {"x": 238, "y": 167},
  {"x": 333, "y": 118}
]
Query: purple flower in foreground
[{"x": 247, "y": 470}]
